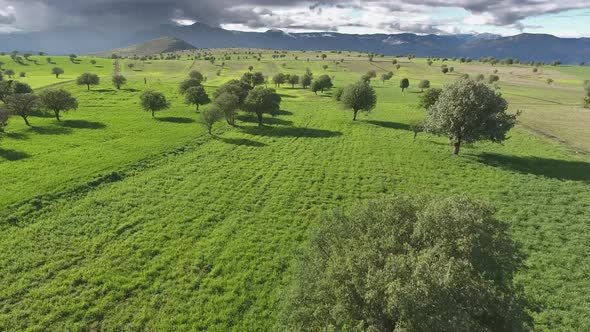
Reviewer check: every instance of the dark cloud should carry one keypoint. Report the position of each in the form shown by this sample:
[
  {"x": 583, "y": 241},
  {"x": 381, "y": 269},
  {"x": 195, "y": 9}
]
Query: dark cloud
[{"x": 43, "y": 14}]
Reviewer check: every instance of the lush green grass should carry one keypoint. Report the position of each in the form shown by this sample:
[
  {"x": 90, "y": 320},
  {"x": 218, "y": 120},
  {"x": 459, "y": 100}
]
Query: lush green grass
[{"x": 115, "y": 220}]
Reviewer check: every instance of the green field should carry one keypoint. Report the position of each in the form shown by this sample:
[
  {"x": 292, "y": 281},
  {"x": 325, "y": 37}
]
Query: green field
[{"x": 113, "y": 220}]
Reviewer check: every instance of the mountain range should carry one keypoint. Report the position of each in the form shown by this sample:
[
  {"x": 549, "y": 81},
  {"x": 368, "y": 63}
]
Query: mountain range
[{"x": 526, "y": 47}]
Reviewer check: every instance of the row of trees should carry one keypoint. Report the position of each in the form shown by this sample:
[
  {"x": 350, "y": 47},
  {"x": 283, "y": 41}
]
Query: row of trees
[{"x": 20, "y": 100}]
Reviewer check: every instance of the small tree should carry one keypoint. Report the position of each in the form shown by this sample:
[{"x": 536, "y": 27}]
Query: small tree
[
  {"x": 549, "y": 81},
  {"x": 469, "y": 111},
  {"x": 417, "y": 126},
  {"x": 58, "y": 101},
  {"x": 10, "y": 73},
  {"x": 278, "y": 79},
  {"x": 429, "y": 98},
  {"x": 409, "y": 264},
  {"x": 209, "y": 117},
  {"x": 250, "y": 68},
  {"x": 324, "y": 83},
  {"x": 196, "y": 75},
  {"x": 293, "y": 80},
  {"x": 306, "y": 80},
  {"x": 88, "y": 80},
  {"x": 93, "y": 62},
  {"x": 479, "y": 77},
  {"x": 119, "y": 80},
  {"x": 424, "y": 84},
  {"x": 359, "y": 96},
  {"x": 22, "y": 104},
  {"x": 57, "y": 71},
  {"x": 153, "y": 101},
  {"x": 196, "y": 95},
  {"x": 228, "y": 104},
  {"x": 386, "y": 76},
  {"x": 262, "y": 100},
  {"x": 187, "y": 84},
  {"x": 404, "y": 84},
  {"x": 445, "y": 69},
  {"x": 493, "y": 78}
]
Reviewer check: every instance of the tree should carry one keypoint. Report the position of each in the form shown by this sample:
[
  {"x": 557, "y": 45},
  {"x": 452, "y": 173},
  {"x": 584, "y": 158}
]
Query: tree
[
  {"x": 404, "y": 84},
  {"x": 228, "y": 104},
  {"x": 88, "y": 80},
  {"x": 479, "y": 77},
  {"x": 153, "y": 101},
  {"x": 359, "y": 96},
  {"x": 196, "y": 75},
  {"x": 250, "y": 68},
  {"x": 386, "y": 76},
  {"x": 209, "y": 117},
  {"x": 187, "y": 84},
  {"x": 257, "y": 79},
  {"x": 417, "y": 126},
  {"x": 306, "y": 80},
  {"x": 196, "y": 95},
  {"x": 278, "y": 79},
  {"x": 119, "y": 80},
  {"x": 443, "y": 265},
  {"x": 469, "y": 111},
  {"x": 316, "y": 86},
  {"x": 262, "y": 100},
  {"x": 549, "y": 81},
  {"x": 57, "y": 71},
  {"x": 429, "y": 98},
  {"x": 293, "y": 79},
  {"x": 4, "y": 116},
  {"x": 58, "y": 101},
  {"x": 6, "y": 89},
  {"x": 445, "y": 69},
  {"x": 493, "y": 78},
  {"x": 325, "y": 83},
  {"x": 234, "y": 87},
  {"x": 9, "y": 72},
  {"x": 22, "y": 104},
  {"x": 93, "y": 62},
  {"x": 424, "y": 84}
]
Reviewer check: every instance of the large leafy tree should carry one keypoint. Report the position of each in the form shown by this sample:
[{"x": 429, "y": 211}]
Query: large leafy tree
[
  {"x": 22, "y": 104},
  {"x": 469, "y": 111},
  {"x": 209, "y": 117},
  {"x": 196, "y": 75},
  {"x": 58, "y": 101},
  {"x": 88, "y": 79},
  {"x": 359, "y": 96},
  {"x": 153, "y": 101},
  {"x": 196, "y": 95},
  {"x": 237, "y": 88},
  {"x": 409, "y": 265},
  {"x": 404, "y": 84},
  {"x": 57, "y": 71},
  {"x": 263, "y": 100}
]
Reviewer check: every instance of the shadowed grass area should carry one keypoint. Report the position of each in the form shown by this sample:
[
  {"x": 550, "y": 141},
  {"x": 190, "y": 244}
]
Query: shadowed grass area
[
  {"x": 175, "y": 119},
  {"x": 553, "y": 168}
]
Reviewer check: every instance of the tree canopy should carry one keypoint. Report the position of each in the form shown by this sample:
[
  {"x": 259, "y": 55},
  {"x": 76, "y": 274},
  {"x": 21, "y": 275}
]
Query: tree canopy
[
  {"x": 429, "y": 265},
  {"x": 263, "y": 100},
  {"x": 404, "y": 84},
  {"x": 196, "y": 95},
  {"x": 58, "y": 101},
  {"x": 359, "y": 96},
  {"x": 468, "y": 111},
  {"x": 119, "y": 80},
  {"x": 153, "y": 101},
  {"x": 88, "y": 79}
]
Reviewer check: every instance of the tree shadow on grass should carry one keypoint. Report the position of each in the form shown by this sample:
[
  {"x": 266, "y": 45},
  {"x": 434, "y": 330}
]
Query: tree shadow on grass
[
  {"x": 17, "y": 136},
  {"x": 83, "y": 124},
  {"x": 390, "y": 125},
  {"x": 283, "y": 112},
  {"x": 102, "y": 90},
  {"x": 131, "y": 90},
  {"x": 269, "y": 121},
  {"x": 242, "y": 141},
  {"x": 286, "y": 96},
  {"x": 13, "y": 155},
  {"x": 290, "y": 132},
  {"x": 175, "y": 119},
  {"x": 51, "y": 130},
  {"x": 552, "y": 168}
]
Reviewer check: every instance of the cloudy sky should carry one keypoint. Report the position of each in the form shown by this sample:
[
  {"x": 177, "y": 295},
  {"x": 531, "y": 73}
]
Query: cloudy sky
[{"x": 567, "y": 18}]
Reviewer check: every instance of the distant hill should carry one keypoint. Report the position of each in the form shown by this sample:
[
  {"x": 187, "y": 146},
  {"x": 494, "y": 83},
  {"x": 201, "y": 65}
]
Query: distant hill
[
  {"x": 154, "y": 46},
  {"x": 526, "y": 47}
]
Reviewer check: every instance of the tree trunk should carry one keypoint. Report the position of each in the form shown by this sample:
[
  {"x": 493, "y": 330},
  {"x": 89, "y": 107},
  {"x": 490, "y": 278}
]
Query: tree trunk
[
  {"x": 197, "y": 107},
  {"x": 210, "y": 127},
  {"x": 153, "y": 114},
  {"x": 26, "y": 120},
  {"x": 56, "y": 76},
  {"x": 57, "y": 115},
  {"x": 456, "y": 147},
  {"x": 403, "y": 89},
  {"x": 259, "y": 119},
  {"x": 88, "y": 85},
  {"x": 355, "y": 112}
]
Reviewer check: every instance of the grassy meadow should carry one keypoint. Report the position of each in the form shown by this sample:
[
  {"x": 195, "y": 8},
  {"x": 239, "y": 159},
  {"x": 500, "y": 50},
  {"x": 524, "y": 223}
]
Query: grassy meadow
[{"x": 112, "y": 220}]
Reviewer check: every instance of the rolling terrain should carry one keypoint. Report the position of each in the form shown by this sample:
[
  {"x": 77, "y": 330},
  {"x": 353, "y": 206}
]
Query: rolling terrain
[{"x": 113, "y": 220}]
